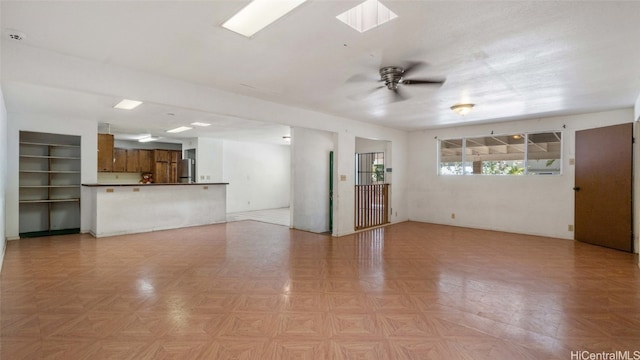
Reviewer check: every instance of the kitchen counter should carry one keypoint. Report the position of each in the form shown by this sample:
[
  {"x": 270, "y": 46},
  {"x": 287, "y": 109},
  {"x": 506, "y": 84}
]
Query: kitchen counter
[
  {"x": 118, "y": 209},
  {"x": 153, "y": 184}
]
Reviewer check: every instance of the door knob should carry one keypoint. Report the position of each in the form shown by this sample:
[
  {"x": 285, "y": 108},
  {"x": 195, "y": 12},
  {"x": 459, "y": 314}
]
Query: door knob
[{"x": 576, "y": 188}]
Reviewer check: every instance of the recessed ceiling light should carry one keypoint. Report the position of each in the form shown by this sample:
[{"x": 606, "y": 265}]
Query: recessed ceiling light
[
  {"x": 367, "y": 15},
  {"x": 179, "y": 129},
  {"x": 259, "y": 14},
  {"x": 127, "y": 104},
  {"x": 199, "y": 124}
]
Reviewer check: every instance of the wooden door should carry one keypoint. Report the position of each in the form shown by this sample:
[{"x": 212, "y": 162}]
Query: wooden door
[
  {"x": 161, "y": 155},
  {"x": 133, "y": 163},
  {"x": 173, "y": 172},
  {"x": 603, "y": 186},
  {"x": 145, "y": 160},
  {"x": 105, "y": 152},
  {"x": 119, "y": 160},
  {"x": 161, "y": 172},
  {"x": 176, "y": 156}
]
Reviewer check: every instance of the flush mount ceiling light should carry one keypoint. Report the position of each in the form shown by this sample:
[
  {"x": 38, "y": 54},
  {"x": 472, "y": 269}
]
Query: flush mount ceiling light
[
  {"x": 148, "y": 138},
  {"x": 462, "y": 109},
  {"x": 200, "y": 124},
  {"x": 367, "y": 15},
  {"x": 259, "y": 14},
  {"x": 127, "y": 104},
  {"x": 179, "y": 129}
]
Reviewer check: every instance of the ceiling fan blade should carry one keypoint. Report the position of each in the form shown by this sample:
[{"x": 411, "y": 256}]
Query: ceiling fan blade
[
  {"x": 398, "y": 95},
  {"x": 413, "y": 66},
  {"x": 422, "y": 82},
  {"x": 366, "y": 94},
  {"x": 362, "y": 78}
]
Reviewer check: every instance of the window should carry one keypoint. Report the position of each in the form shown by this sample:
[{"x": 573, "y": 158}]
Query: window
[
  {"x": 370, "y": 168},
  {"x": 515, "y": 154}
]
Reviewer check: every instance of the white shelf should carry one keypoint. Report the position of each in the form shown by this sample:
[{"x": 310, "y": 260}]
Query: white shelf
[
  {"x": 48, "y": 201},
  {"x": 50, "y": 157},
  {"x": 49, "y": 186},
  {"x": 50, "y": 172},
  {"x": 43, "y": 189},
  {"x": 47, "y": 144}
]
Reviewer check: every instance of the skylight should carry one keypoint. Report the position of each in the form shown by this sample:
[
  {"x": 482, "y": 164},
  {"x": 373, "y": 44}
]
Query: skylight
[
  {"x": 367, "y": 15},
  {"x": 127, "y": 104},
  {"x": 259, "y": 14}
]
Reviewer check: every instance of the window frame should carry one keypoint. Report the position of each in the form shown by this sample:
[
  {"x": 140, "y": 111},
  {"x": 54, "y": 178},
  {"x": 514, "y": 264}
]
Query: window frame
[{"x": 526, "y": 171}]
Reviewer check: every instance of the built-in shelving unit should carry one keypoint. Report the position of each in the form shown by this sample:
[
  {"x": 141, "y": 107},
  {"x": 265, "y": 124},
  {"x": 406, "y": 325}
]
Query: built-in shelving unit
[{"x": 49, "y": 184}]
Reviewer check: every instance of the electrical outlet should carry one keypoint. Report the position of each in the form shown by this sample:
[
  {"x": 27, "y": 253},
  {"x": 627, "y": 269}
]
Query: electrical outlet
[
  {"x": 570, "y": 227},
  {"x": 453, "y": 215}
]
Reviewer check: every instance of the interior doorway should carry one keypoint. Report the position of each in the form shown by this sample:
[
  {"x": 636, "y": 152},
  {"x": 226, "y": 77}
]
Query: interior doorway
[{"x": 372, "y": 183}]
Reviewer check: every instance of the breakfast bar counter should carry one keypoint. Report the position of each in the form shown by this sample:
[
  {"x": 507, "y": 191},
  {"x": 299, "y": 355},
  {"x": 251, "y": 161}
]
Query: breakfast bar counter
[{"x": 118, "y": 209}]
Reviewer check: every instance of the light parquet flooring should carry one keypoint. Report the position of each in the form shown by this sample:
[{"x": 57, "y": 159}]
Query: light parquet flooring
[{"x": 250, "y": 290}]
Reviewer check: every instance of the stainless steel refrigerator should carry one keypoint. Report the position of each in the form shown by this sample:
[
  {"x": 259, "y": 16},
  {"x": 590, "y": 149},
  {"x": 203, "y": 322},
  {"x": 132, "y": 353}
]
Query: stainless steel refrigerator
[{"x": 187, "y": 171}]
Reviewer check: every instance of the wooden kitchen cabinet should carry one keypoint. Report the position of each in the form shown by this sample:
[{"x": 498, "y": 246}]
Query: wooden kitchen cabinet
[
  {"x": 133, "y": 161},
  {"x": 165, "y": 168},
  {"x": 119, "y": 160},
  {"x": 161, "y": 155},
  {"x": 105, "y": 152},
  {"x": 145, "y": 162}
]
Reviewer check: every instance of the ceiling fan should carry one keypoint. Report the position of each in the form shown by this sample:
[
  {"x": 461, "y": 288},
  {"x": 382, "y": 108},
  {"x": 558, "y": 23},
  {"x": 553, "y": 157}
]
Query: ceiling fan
[{"x": 395, "y": 76}]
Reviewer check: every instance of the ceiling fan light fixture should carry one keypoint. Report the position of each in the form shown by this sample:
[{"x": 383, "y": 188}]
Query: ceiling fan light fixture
[{"x": 462, "y": 109}]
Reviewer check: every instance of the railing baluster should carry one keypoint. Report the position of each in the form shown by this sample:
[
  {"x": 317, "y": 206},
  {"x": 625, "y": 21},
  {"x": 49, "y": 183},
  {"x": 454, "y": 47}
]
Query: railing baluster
[{"x": 371, "y": 205}]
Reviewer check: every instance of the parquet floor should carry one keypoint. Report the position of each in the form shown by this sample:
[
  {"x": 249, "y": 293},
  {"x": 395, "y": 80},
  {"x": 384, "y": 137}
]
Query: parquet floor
[{"x": 250, "y": 290}]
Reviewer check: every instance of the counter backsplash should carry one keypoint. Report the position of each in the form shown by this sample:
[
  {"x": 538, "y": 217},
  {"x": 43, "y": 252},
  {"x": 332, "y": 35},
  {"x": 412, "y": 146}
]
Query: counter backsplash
[{"x": 118, "y": 178}]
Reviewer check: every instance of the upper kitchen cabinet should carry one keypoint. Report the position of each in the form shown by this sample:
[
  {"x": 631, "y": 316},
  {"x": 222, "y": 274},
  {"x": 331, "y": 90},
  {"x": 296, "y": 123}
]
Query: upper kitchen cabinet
[
  {"x": 105, "y": 152},
  {"x": 145, "y": 160},
  {"x": 119, "y": 160}
]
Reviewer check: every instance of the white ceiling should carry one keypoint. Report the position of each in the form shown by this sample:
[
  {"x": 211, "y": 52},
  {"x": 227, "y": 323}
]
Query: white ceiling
[{"x": 513, "y": 59}]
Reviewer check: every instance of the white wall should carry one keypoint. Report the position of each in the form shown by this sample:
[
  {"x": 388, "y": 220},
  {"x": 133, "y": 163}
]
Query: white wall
[
  {"x": 86, "y": 129},
  {"x": 3, "y": 174},
  {"x": 538, "y": 205},
  {"x": 636, "y": 112},
  {"x": 259, "y": 175},
  {"x": 369, "y": 146},
  {"x": 209, "y": 155},
  {"x": 310, "y": 173}
]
